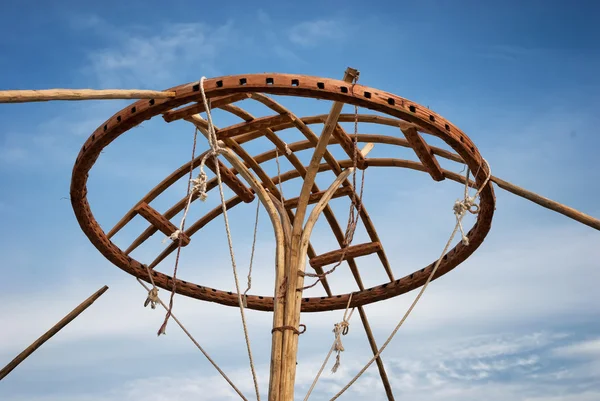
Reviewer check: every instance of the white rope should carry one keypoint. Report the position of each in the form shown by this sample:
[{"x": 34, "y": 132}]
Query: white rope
[
  {"x": 158, "y": 300},
  {"x": 212, "y": 139},
  {"x": 466, "y": 204},
  {"x": 152, "y": 298},
  {"x": 176, "y": 236},
  {"x": 339, "y": 329},
  {"x": 252, "y": 255}
]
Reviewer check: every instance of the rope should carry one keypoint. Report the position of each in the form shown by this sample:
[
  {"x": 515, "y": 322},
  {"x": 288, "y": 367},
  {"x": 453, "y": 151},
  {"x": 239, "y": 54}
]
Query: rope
[
  {"x": 355, "y": 208},
  {"x": 252, "y": 256},
  {"x": 152, "y": 298},
  {"x": 466, "y": 204},
  {"x": 339, "y": 329},
  {"x": 279, "y": 172},
  {"x": 292, "y": 328},
  {"x": 215, "y": 150},
  {"x": 175, "y": 237},
  {"x": 158, "y": 300}
]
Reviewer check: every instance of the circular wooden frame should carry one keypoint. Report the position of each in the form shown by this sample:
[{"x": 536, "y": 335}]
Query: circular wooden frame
[{"x": 243, "y": 86}]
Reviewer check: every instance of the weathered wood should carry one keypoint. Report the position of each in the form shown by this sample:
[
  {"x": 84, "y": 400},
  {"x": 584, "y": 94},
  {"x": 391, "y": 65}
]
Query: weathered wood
[
  {"x": 215, "y": 103},
  {"x": 255, "y": 125},
  {"x": 548, "y": 203},
  {"x": 316, "y": 196},
  {"x": 352, "y": 251},
  {"x": 280, "y": 265},
  {"x": 298, "y": 252},
  {"x": 50, "y": 333},
  {"x": 424, "y": 153},
  {"x": 231, "y": 180},
  {"x": 348, "y": 145},
  {"x": 44, "y": 95},
  {"x": 160, "y": 222}
]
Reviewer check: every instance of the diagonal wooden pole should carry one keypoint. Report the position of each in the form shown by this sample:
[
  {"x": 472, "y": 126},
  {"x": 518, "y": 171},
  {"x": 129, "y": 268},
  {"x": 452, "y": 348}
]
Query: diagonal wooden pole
[{"x": 55, "y": 329}]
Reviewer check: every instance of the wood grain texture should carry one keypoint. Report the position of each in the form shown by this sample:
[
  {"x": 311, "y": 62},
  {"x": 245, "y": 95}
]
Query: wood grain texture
[
  {"x": 161, "y": 223},
  {"x": 424, "y": 153},
  {"x": 284, "y": 84},
  {"x": 44, "y": 95},
  {"x": 352, "y": 251}
]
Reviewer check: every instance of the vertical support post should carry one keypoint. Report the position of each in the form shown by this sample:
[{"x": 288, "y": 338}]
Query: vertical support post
[{"x": 294, "y": 279}]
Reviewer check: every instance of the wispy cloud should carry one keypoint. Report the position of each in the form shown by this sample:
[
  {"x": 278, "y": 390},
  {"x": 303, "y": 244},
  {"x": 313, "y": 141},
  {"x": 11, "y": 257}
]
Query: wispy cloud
[
  {"x": 589, "y": 348},
  {"x": 159, "y": 57},
  {"x": 312, "y": 33}
]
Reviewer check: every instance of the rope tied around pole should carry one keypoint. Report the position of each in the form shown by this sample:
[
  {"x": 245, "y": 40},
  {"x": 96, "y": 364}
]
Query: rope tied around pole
[{"x": 292, "y": 328}]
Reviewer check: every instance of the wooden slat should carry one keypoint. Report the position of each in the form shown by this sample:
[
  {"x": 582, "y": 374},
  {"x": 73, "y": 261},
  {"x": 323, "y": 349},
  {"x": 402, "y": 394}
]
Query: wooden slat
[
  {"x": 316, "y": 196},
  {"x": 255, "y": 125},
  {"x": 424, "y": 153},
  {"x": 347, "y": 144},
  {"x": 215, "y": 103},
  {"x": 231, "y": 180},
  {"x": 160, "y": 222},
  {"x": 353, "y": 251}
]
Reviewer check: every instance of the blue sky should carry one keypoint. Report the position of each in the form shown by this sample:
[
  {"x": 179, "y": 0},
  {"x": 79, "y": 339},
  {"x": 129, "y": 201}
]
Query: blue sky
[{"x": 519, "y": 320}]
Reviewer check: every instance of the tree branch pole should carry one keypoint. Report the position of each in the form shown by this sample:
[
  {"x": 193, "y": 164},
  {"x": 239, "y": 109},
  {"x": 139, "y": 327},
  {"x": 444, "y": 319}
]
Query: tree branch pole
[
  {"x": 44, "y": 95},
  {"x": 55, "y": 329},
  {"x": 548, "y": 203}
]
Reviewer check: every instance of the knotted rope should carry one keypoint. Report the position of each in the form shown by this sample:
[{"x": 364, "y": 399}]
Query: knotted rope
[
  {"x": 158, "y": 300},
  {"x": 466, "y": 204},
  {"x": 339, "y": 329},
  {"x": 152, "y": 298},
  {"x": 175, "y": 237}
]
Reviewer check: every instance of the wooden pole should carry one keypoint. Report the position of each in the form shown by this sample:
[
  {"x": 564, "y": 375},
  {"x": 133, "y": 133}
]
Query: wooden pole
[
  {"x": 297, "y": 256},
  {"x": 55, "y": 329},
  {"x": 44, "y": 95},
  {"x": 548, "y": 203}
]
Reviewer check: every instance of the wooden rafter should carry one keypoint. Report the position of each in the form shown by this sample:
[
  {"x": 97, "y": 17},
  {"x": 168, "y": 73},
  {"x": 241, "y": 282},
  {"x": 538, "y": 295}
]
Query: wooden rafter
[
  {"x": 188, "y": 111},
  {"x": 160, "y": 222},
  {"x": 230, "y": 179},
  {"x": 352, "y": 251},
  {"x": 316, "y": 196},
  {"x": 347, "y": 144},
  {"x": 424, "y": 153}
]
